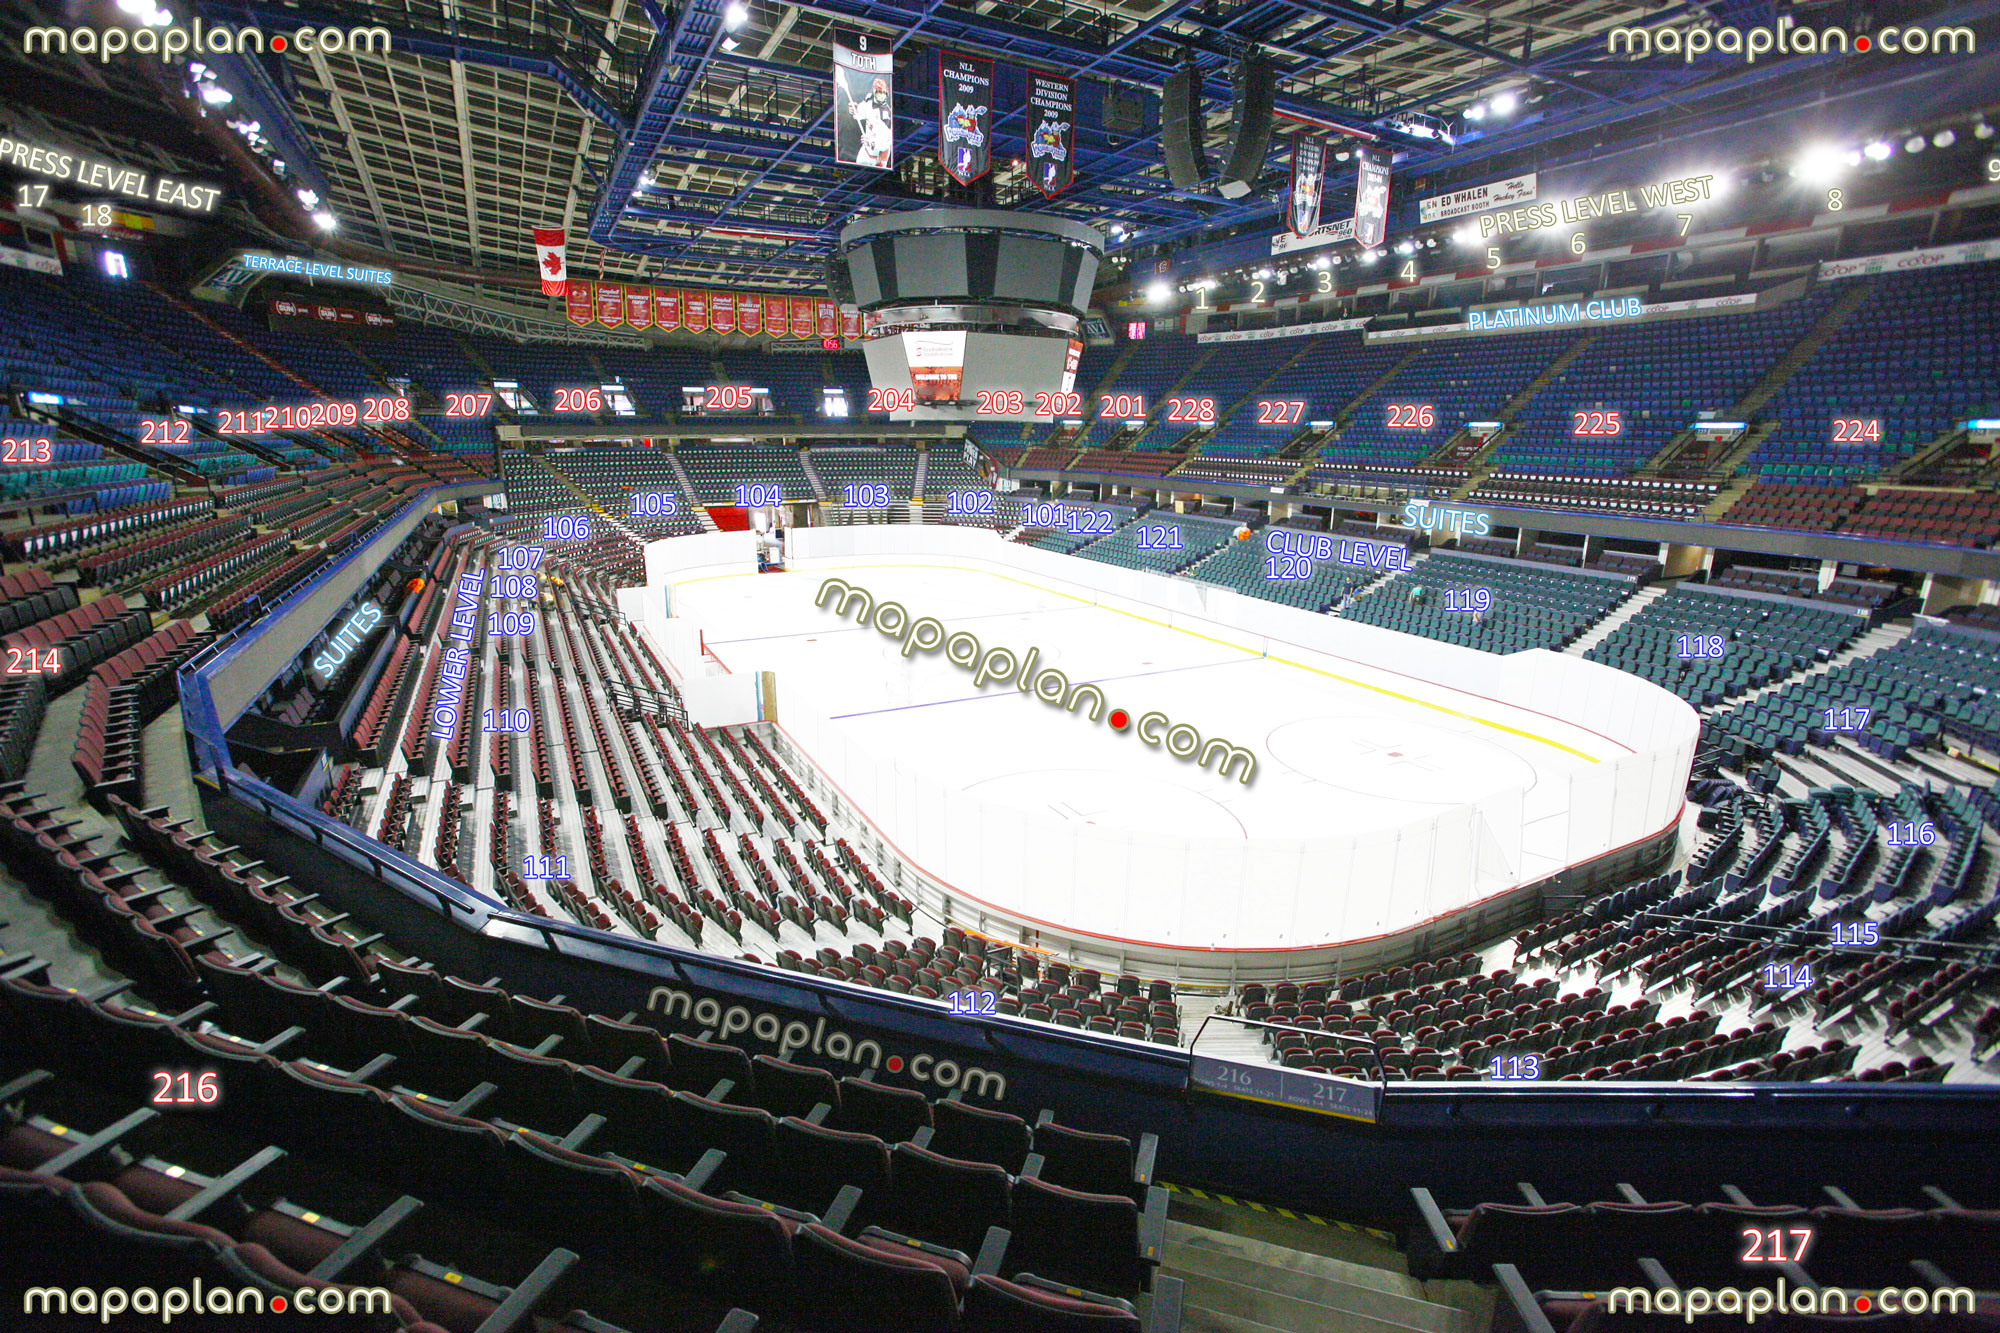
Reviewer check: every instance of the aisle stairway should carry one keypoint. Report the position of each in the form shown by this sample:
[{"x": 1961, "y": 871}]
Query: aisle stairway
[
  {"x": 1250, "y": 1270},
  {"x": 1606, "y": 627}
]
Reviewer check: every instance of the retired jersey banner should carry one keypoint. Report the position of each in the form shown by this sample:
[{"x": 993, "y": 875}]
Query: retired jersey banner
[
  {"x": 850, "y": 323},
  {"x": 639, "y": 307},
  {"x": 777, "y": 317},
  {"x": 581, "y": 300},
  {"x": 1371, "y": 203},
  {"x": 1051, "y": 132},
  {"x": 611, "y": 304},
  {"x": 802, "y": 317},
  {"x": 750, "y": 315},
  {"x": 722, "y": 312},
  {"x": 667, "y": 309},
  {"x": 694, "y": 312},
  {"x": 1308, "y": 182},
  {"x": 864, "y": 100},
  {"x": 829, "y": 319},
  {"x": 965, "y": 116}
]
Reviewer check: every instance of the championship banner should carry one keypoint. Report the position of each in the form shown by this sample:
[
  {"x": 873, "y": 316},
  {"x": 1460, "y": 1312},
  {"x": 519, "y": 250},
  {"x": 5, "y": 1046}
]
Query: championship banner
[
  {"x": 777, "y": 317},
  {"x": 551, "y": 260},
  {"x": 722, "y": 312},
  {"x": 750, "y": 315},
  {"x": 694, "y": 312},
  {"x": 864, "y": 100},
  {"x": 850, "y": 324},
  {"x": 829, "y": 318},
  {"x": 1477, "y": 199},
  {"x": 667, "y": 310},
  {"x": 581, "y": 300},
  {"x": 611, "y": 304},
  {"x": 1371, "y": 203},
  {"x": 1308, "y": 182},
  {"x": 639, "y": 307},
  {"x": 1051, "y": 132},
  {"x": 965, "y": 116},
  {"x": 802, "y": 317}
]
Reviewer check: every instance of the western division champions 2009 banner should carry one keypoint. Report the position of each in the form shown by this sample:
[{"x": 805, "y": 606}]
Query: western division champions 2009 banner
[
  {"x": 965, "y": 116},
  {"x": 864, "y": 101},
  {"x": 1051, "y": 132},
  {"x": 1308, "y": 182}
]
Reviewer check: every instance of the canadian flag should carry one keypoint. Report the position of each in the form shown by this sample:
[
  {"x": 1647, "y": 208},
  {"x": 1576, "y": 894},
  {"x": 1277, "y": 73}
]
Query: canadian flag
[{"x": 551, "y": 260}]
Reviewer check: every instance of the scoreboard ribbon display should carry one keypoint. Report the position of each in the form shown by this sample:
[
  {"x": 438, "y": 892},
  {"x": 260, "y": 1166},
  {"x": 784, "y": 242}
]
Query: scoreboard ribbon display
[
  {"x": 965, "y": 116},
  {"x": 1051, "y": 132}
]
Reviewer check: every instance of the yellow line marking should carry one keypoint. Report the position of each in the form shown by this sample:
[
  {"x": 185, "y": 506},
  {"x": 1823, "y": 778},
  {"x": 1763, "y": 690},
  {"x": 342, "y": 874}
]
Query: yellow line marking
[{"x": 1584, "y": 755}]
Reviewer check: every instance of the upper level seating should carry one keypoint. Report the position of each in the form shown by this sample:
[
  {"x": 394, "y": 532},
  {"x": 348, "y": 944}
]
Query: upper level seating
[
  {"x": 1142, "y": 464},
  {"x": 1154, "y": 367},
  {"x": 718, "y": 469},
  {"x": 1462, "y": 380},
  {"x": 1806, "y": 507},
  {"x": 1533, "y": 607},
  {"x": 1658, "y": 377},
  {"x": 1229, "y": 374},
  {"x": 1917, "y": 356},
  {"x": 1764, "y": 639}
]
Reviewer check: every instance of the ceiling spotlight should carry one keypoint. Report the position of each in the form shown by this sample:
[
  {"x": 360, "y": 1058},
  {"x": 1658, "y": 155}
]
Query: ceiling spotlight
[
  {"x": 1914, "y": 144},
  {"x": 1477, "y": 111},
  {"x": 215, "y": 95},
  {"x": 1504, "y": 104},
  {"x": 1405, "y": 248},
  {"x": 1159, "y": 293},
  {"x": 1852, "y": 157},
  {"x": 1820, "y": 162},
  {"x": 1943, "y": 139},
  {"x": 310, "y": 198},
  {"x": 1370, "y": 256},
  {"x": 1342, "y": 155},
  {"x": 1879, "y": 150},
  {"x": 1322, "y": 264},
  {"x": 1468, "y": 235},
  {"x": 1982, "y": 131},
  {"x": 735, "y": 15},
  {"x": 325, "y": 221}
]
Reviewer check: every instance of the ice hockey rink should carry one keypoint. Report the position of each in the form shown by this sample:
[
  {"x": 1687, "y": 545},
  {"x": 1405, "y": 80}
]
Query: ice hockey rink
[{"x": 1388, "y": 789}]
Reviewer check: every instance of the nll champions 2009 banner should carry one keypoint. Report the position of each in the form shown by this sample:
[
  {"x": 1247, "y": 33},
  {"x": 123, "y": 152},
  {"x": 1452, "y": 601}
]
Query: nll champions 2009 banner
[
  {"x": 1051, "y": 132},
  {"x": 1371, "y": 203},
  {"x": 965, "y": 116},
  {"x": 1308, "y": 182},
  {"x": 864, "y": 100}
]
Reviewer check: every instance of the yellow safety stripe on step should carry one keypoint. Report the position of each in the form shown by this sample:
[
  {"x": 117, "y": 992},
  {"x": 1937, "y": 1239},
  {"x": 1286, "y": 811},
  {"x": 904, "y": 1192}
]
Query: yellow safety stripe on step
[{"x": 1313, "y": 1218}]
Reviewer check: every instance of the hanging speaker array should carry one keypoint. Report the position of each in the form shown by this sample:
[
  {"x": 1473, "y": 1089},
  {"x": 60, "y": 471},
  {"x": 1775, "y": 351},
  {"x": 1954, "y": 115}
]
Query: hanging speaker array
[
  {"x": 1181, "y": 128},
  {"x": 1254, "y": 94}
]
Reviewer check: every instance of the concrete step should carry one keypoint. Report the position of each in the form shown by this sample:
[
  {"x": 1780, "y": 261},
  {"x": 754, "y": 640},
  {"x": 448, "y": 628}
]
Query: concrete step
[
  {"x": 1608, "y": 626},
  {"x": 1289, "y": 1289}
]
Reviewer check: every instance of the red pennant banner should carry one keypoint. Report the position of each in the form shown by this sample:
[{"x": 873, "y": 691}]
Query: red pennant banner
[
  {"x": 639, "y": 307},
  {"x": 829, "y": 318},
  {"x": 611, "y": 304},
  {"x": 750, "y": 315},
  {"x": 802, "y": 317},
  {"x": 667, "y": 309},
  {"x": 722, "y": 312},
  {"x": 581, "y": 301},
  {"x": 694, "y": 311}
]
